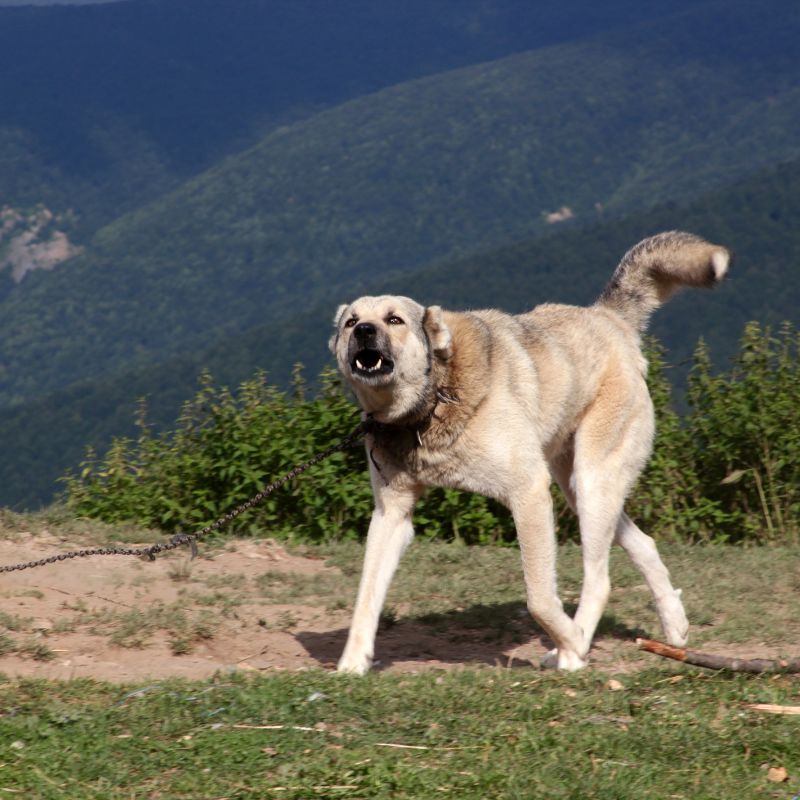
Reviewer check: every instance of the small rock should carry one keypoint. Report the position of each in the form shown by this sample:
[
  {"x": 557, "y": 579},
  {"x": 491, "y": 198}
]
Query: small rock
[{"x": 777, "y": 774}]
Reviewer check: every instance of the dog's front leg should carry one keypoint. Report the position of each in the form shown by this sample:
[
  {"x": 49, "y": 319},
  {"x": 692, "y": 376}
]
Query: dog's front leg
[{"x": 390, "y": 532}]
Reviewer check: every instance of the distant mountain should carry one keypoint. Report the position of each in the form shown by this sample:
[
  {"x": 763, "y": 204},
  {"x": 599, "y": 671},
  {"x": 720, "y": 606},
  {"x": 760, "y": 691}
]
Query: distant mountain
[
  {"x": 107, "y": 106},
  {"x": 52, "y": 2},
  {"x": 755, "y": 217},
  {"x": 421, "y": 171}
]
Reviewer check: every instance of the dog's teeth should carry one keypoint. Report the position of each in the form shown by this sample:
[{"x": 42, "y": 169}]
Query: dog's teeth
[{"x": 371, "y": 368}]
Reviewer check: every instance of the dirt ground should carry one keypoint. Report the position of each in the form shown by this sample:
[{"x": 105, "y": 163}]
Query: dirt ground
[{"x": 125, "y": 619}]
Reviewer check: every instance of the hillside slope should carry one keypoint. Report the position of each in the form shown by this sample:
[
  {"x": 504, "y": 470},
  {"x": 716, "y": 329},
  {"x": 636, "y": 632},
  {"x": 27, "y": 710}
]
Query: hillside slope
[
  {"x": 418, "y": 172},
  {"x": 156, "y": 90},
  {"x": 756, "y": 218}
]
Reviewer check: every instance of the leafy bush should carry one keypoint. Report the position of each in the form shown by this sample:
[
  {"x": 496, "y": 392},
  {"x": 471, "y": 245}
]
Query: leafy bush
[
  {"x": 227, "y": 446},
  {"x": 745, "y": 428},
  {"x": 728, "y": 471},
  {"x": 224, "y": 449}
]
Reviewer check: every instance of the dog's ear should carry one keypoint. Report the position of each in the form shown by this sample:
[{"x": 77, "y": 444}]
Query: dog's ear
[
  {"x": 437, "y": 332},
  {"x": 337, "y": 321}
]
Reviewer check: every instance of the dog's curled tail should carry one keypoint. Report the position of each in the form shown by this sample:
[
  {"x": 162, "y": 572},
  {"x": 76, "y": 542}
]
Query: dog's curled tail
[{"x": 653, "y": 270}]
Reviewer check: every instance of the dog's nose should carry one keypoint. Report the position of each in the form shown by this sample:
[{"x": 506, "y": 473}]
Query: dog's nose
[{"x": 364, "y": 330}]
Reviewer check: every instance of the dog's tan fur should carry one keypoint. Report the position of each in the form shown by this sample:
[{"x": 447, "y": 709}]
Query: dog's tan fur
[{"x": 501, "y": 405}]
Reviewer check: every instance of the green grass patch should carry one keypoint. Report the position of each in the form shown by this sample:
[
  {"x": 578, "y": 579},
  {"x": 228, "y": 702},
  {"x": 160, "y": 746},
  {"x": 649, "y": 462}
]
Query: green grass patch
[
  {"x": 184, "y": 628},
  {"x": 35, "y": 649},
  {"x": 13, "y": 622},
  {"x": 731, "y": 594},
  {"x": 667, "y": 733},
  {"x": 7, "y": 644},
  {"x": 670, "y": 732}
]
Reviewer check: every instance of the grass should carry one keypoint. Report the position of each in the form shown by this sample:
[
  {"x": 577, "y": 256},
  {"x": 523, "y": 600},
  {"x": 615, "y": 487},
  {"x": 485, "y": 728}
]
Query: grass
[
  {"x": 184, "y": 628},
  {"x": 36, "y": 649},
  {"x": 732, "y": 594},
  {"x": 13, "y": 622},
  {"x": 60, "y": 520},
  {"x": 668, "y": 732},
  {"x": 134, "y": 627},
  {"x": 665, "y": 731}
]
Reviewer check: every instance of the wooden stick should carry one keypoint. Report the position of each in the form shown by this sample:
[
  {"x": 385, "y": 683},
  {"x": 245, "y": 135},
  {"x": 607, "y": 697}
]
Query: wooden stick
[
  {"x": 419, "y": 746},
  {"x": 402, "y": 746},
  {"x": 771, "y": 708},
  {"x": 276, "y": 728},
  {"x": 709, "y": 661}
]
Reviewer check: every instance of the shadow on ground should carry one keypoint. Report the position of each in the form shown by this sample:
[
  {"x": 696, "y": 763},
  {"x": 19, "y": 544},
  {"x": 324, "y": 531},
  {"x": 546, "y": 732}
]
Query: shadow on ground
[{"x": 501, "y": 634}]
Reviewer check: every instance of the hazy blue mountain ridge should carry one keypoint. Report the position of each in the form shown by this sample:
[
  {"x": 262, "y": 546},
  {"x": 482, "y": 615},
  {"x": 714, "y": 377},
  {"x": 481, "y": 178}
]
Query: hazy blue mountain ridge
[
  {"x": 755, "y": 217},
  {"x": 255, "y": 170},
  {"x": 105, "y": 107},
  {"x": 421, "y": 171}
]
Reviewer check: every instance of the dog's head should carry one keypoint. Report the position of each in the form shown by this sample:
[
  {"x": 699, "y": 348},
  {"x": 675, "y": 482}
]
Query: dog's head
[{"x": 385, "y": 348}]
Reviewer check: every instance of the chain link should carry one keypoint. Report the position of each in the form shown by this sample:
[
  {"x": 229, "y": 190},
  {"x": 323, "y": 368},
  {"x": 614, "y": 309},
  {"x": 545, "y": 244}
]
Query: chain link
[{"x": 191, "y": 539}]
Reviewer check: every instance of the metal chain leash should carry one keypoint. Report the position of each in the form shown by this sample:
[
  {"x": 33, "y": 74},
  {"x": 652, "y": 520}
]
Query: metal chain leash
[{"x": 191, "y": 539}]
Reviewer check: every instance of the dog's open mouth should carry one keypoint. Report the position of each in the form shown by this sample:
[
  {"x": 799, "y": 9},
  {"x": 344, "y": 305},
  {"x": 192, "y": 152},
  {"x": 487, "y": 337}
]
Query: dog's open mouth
[{"x": 369, "y": 362}]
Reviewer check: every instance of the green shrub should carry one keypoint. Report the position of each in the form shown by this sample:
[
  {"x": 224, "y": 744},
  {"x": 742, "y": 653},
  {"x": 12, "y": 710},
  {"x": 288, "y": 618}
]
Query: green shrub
[
  {"x": 224, "y": 449},
  {"x": 745, "y": 430},
  {"x": 728, "y": 471}
]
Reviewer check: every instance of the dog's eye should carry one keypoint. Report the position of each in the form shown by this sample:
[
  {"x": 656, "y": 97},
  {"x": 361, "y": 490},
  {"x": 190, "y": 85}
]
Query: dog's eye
[
  {"x": 350, "y": 322},
  {"x": 394, "y": 320}
]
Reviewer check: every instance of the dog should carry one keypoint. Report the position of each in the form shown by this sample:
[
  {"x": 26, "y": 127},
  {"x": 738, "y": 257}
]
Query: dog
[{"x": 503, "y": 404}]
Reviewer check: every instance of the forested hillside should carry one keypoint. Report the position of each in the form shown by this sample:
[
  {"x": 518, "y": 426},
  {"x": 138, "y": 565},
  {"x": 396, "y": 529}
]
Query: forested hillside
[
  {"x": 219, "y": 176},
  {"x": 755, "y": 217},
  {"x": 421, "y": 171},
  {"x": 105, "y": 107}
]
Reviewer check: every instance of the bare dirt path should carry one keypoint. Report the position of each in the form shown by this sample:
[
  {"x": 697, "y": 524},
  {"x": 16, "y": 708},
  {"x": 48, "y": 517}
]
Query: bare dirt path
[
  {"x": 251, "y": 605},
  {"x": 125, "y": 619}
]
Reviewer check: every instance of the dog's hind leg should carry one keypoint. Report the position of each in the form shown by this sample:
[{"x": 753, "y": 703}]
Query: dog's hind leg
[
  {"x": 597, "y": 523},
  {"x": 643, "y": 552},
  {"x": 611, "y": 447},
  {"x": 533, "y": 515},
  {"x": 596, "y": 512},
  {"x": 390, "y": 532}
]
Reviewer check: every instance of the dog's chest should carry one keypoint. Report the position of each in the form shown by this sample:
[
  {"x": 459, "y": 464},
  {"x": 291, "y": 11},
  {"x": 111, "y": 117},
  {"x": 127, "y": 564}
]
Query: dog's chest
[{"x": 431, "y": 461}]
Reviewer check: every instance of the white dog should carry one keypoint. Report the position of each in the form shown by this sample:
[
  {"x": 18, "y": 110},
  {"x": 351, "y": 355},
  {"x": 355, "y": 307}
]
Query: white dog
[{"x": 499, "y": 404}]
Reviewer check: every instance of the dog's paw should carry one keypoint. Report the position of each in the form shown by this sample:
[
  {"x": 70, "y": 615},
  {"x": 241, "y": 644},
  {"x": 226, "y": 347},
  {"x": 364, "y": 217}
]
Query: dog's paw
[
  {"x": 354, "y": 664},
  {"x": 677, "y": 635},
  {"x": 673, "y": 620},
  {"x": 567, "y": 660}
]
